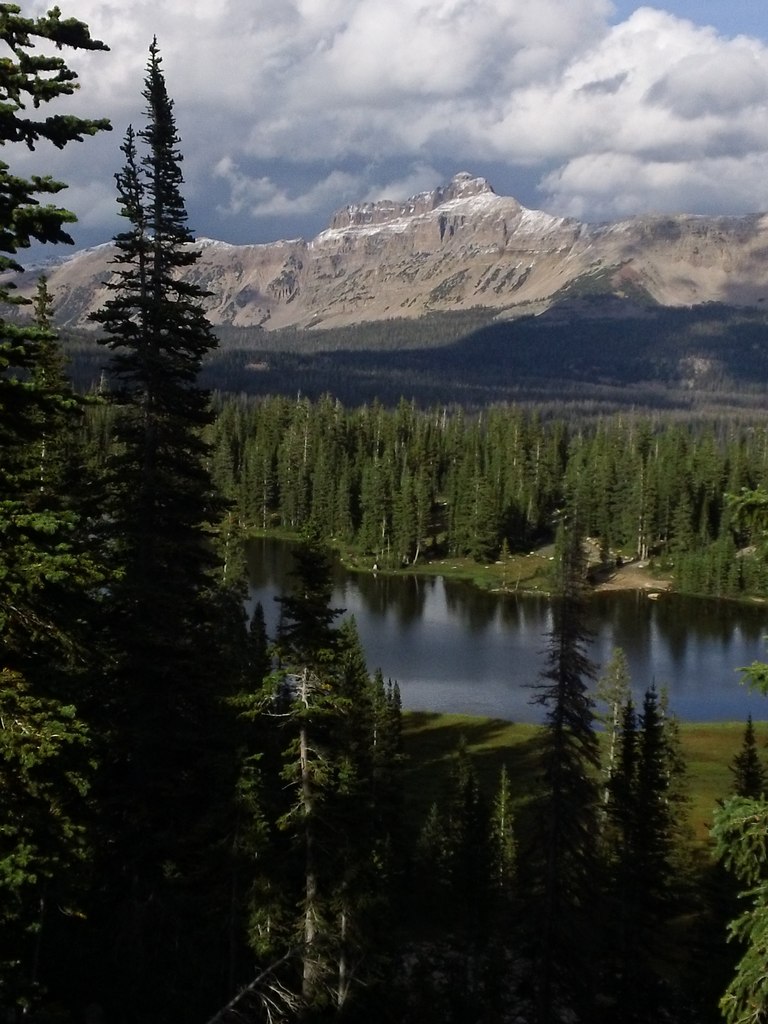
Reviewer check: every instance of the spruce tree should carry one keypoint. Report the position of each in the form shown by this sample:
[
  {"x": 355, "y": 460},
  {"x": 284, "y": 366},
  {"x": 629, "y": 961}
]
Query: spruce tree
[
  {"x": 654, "y": 837},
  {"x": 317, "y": 764},
  {"x": 387, "y": 763},
  {"x": 331, "y": 811},
  {"x": 740, "y": 827},
  {"x": 621, "y": 829},
  {"x": 748, "y": 770},
  {"x": 34, "y": 404},
  {"x": 613, "y": 690},
  {"x": 503, "y": 841},
  {"x": 646, "y": 840},
  {"x": 160, "y": 707},
  {"x": 739, "y": 830},
  {"x": 44, "y": 758},
  {"x": 566, "y": 835}
]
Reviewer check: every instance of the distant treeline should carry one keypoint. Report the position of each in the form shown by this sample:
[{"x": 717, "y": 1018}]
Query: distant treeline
[
  {"x": 709, "y": 357},
  {"x": 404, "y": 483}
]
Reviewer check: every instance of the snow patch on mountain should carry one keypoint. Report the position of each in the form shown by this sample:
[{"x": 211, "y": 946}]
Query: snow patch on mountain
[{"x": 458, "y": 246}]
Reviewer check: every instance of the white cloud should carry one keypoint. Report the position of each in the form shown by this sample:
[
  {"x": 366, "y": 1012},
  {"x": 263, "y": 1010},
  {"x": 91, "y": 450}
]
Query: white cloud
[
  {"x": 290, "y": 108},
  {"x": 419, "y": 178},
  {"x": 259, "y": 196},
  {"x": 608, "y": 186},
  {"x": 722, "y": 82}
]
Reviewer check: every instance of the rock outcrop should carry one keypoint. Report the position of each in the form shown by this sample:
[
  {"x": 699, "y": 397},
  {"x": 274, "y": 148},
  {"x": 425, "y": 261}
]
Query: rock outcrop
[{"x": 456, "y": 247}]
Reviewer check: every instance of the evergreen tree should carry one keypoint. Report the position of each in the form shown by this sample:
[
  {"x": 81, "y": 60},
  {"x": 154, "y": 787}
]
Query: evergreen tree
[
  {"x": 58, "y": 422},
  {"x": 160, "y": 707},
  {"x": 388, "y": 760},
  {"x": 259, "y": 654},
  {"x": 333, "y": 807},
  {"x": 469, "y": 847},
  {"x": 740, "y": 829},
  {"x": 308, "y": 649},
  {"x": 36, "y": 402},
  {"x": 360, "y": 821},
  {"x": 503, "y": 842},
  {"x": 613, "y": 690},
  {"x": 646, "y": 837},
  {"x": 45, "y": 771},
  {"x": 748, "y": 770},
  {"x": 44, "y": 758},
  {"x": 654, "y": 836},
  {"x": 566, "y": 836}
]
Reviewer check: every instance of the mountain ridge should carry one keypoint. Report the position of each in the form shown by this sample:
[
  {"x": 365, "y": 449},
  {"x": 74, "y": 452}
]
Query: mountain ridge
[{"x": 457, "y": 247}]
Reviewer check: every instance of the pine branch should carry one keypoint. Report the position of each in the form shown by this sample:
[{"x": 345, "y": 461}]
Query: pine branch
[{"x": 251, "y": 989}]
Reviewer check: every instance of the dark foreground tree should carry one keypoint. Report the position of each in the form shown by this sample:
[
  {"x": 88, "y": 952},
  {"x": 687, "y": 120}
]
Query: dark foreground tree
[
  {"x": 747, "y": 767},
  {"x": 646, "y": 843},
  {"x": 740, "y": 831},
  {"x": 330, "y": 738},
  {"x": 613, "y": 694},
  {"x": 309, "y": 650},
  {"x": 44, "y": 760},
  {"x": 566, "y": 835},
  {"x": 165, "y": 788}
]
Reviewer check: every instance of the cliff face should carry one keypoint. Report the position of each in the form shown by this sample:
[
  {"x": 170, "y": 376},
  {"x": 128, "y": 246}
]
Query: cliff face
[{"x": 456, "y": 247}]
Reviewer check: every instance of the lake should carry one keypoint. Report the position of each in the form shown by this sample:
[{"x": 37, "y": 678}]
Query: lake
[{"x": 454, "y": 648}]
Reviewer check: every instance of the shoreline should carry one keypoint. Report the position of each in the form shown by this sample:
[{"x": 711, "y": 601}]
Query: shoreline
[
  {"x": 634, "y": 576},
  {"x": 521, "y": 574}
]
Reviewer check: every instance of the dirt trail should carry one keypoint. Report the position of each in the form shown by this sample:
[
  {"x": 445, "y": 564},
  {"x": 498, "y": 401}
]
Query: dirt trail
[{"x": 633, "y": 576}]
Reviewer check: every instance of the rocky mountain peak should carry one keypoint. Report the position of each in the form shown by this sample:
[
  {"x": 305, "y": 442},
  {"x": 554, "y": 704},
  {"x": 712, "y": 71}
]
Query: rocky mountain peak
[
  {"x": 461, "y": 186},
  {"x": 458, "y": 246},
  {"x": 465, "y": 184}
]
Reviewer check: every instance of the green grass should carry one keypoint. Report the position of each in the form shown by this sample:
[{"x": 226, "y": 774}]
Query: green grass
[
  {"x": 528, "y": 573},
  {"x": 709, "y": 750},
  {"x": 519, "y": 573},
  {"x": 431, "y": 740}
]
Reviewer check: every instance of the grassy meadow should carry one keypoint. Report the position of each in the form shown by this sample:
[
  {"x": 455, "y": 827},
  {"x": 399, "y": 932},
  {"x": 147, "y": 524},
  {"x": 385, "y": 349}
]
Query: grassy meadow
[{"x": 431, "y": 741}]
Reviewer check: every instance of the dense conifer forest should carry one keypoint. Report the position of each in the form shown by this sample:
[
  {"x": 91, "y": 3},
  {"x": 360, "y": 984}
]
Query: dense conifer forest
[
  {"x": 707, "y": 359},
  {"x": 401, "y": 486},
  {"x": 203, "y": 823}
]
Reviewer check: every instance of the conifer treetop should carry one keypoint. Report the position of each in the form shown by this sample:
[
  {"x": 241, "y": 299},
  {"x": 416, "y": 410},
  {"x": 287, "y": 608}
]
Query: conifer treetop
[{"x": 32, "y": 79}]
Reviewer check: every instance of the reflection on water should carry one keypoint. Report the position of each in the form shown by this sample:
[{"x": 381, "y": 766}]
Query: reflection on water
[{"x": 454, "y": 648}]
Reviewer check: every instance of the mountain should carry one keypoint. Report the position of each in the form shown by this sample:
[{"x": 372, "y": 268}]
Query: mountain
[{"x": 458, "y": 247}]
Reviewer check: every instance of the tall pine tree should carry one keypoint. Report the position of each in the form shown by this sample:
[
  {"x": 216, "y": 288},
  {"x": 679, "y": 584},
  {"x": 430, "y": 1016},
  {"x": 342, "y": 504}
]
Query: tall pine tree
[
  {"x": 646, "y": 843},
  {"x": 44, "y": 761},
  {"x": 160, "y": 708},
  {"x": 567, "y": 825},
  {"x": 309, "y": 649},
  {"x": 748, "y": 770},
  {"x": 740, "y": 831},
  {"x": 321, "y": 890}
]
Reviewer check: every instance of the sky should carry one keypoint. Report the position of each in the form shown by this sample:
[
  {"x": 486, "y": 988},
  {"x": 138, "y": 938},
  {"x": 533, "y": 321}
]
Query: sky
[{"x": 290, "y": 109}]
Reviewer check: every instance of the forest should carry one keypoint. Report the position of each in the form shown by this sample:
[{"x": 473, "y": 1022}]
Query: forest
[
  {"x": 606, "y": 356},
  {"x": 203, "y": 823},
  {"x": 401, "y": 486},
  {"x": 603, "y": 354}
]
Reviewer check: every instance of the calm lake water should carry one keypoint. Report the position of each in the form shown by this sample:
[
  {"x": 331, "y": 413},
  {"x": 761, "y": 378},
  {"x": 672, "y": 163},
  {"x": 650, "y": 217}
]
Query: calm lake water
[{"x": 456, "y": 649}]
